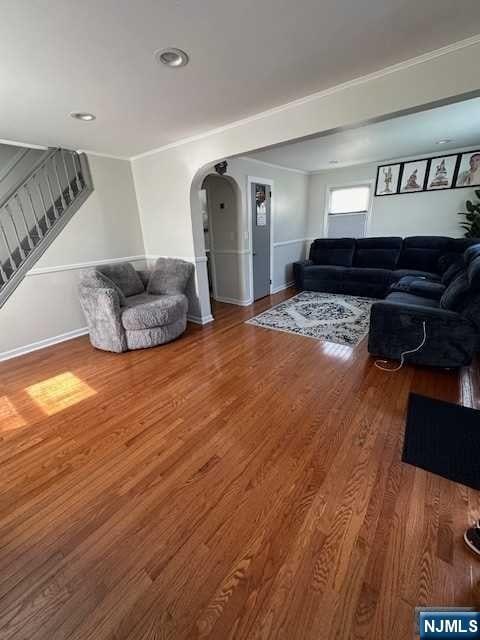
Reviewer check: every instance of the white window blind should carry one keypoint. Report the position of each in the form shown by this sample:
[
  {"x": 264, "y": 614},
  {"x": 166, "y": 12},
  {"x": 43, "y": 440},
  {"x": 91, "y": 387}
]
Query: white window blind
[{"x": 347, "y": 211}]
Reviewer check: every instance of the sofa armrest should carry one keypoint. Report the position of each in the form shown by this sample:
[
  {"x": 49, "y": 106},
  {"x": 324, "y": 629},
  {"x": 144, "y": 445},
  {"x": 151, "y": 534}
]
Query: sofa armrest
[
  {"x": 299, "y": 272},
  {"x": 451, "y": 340},
  {"x": 101, "y": 307}
]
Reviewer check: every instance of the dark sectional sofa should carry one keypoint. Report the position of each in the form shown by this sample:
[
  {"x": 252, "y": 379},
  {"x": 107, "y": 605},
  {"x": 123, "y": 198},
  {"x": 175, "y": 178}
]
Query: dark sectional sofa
[{"x": 430, "y": 281}]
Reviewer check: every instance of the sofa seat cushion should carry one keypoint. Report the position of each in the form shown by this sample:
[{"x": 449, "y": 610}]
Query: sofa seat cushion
[
  {"x": 399, "y": 297},
  {"x": 419, "y": 287},
  {"x": 145, "y": 311},
  {"x": 364, "y": 274},
  {"x": 418, "y": 273},
  {"x": 333, "y": 251},
  {"x": 324, "y": 272},
  {"x": 124, "y": 275}
]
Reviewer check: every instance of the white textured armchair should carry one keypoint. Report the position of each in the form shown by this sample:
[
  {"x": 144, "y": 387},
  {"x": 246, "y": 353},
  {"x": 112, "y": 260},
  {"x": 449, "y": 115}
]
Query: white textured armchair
[{"x": 128, "y": 309}]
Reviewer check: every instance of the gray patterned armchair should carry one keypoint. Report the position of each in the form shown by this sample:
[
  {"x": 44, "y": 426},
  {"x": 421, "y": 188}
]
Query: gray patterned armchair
[{"x": 128, "y": 309}]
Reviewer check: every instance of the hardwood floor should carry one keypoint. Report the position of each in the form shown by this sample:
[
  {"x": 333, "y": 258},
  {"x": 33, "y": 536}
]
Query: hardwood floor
[{"x": 237, "y": 483}]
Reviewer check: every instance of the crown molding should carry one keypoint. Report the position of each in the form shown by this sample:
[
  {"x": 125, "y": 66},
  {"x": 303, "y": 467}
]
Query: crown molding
[
  {"x": 386, "y": 71},
  {"x": 97, "y": 154},
  {"x": 15, "y": 143},
  {"x": 271, "y": 164},
  {"x": 428, "y": 154}
]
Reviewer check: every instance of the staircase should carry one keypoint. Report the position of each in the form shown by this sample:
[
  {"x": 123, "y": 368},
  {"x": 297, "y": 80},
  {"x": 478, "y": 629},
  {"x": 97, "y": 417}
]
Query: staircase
[{"x": 34, "y": 212}]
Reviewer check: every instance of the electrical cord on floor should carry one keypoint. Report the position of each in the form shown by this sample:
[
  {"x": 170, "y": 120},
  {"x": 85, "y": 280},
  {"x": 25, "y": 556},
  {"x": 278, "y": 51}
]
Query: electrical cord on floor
[{"x": 380, "y": 363}]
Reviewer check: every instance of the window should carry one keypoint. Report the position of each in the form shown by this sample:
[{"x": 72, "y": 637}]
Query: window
[{"x": 347, "y": 211}]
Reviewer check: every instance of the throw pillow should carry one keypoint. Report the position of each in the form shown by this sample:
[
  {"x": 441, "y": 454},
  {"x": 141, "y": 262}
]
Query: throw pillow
[
  {"x": 170, "y": 275},
  {"x": 124, "y": 276}
]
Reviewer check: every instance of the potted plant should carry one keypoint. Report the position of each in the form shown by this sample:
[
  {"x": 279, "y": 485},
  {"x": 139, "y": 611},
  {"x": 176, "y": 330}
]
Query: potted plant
[{"x": 472, "y": 218}]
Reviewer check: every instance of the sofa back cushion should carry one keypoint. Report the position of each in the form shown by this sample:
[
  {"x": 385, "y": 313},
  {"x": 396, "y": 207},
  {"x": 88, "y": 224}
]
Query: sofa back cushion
[
  {"x": 456, "y": 295},
  {"x": 124, "y": 276},
  {"x": 377, "y": 253},
  {"x": 453, "y": 271},
  {"x": 456, "y": 249},
  {"x": 170, "y": 276},
  {"x": 337, "y": 252},
  {"x": 423, "y": 252}
]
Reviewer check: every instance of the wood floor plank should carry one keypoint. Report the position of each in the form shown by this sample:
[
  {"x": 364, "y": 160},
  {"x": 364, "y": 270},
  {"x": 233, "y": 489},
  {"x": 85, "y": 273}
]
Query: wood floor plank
[{"x": 238, "y": 483}]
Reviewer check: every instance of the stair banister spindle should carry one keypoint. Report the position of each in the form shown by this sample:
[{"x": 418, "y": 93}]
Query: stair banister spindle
[
  {"x": 36, "y": 181},
  {"x": 63, "y": 202},
  {"x": 64, "y": 162},
  {"x": 18, "y": 202},
  {"x": 3, "y": 275},
  {"x": 50, "y": 193},
  {"x": 79, "y": 169},
  {"x": 32, "y": 207},
  {"x": 13, "y": 265},
  {"x": 72, "y": 155},
  {"x": 19, "y": 242}
]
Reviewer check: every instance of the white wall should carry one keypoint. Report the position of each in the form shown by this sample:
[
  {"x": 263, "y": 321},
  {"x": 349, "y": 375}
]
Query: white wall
[
  {"x": 424, "y": 213},
  {"x": 107, "y": 226},
  {"x": 164, "y": 178}
]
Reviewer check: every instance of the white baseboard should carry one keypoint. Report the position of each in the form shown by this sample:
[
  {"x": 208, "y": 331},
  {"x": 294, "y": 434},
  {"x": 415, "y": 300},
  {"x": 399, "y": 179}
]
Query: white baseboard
[
  {"x": 281, "y": 287},
  {"x": 239, "y": 303},
  {"x": 70, "y": 335},
  {"x": 200, "y": 319},
  {"x": 42, "y": 344}
]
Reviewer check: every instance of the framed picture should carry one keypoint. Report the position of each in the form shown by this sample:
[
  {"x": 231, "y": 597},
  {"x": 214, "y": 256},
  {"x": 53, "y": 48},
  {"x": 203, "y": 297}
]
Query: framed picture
[
  {"x": 469, "y": 170},
  {"x": 413, "y": 176},
  {"x": 441, "y": 172},
  {"x": 387, "y": 179}
]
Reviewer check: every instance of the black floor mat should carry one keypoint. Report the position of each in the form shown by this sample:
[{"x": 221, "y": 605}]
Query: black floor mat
[{"x": 443, "y": 438}]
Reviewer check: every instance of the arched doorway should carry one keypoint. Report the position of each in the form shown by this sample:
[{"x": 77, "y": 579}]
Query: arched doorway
[
  {"x": 229, "y": 255},
  {"x": 223, "y": 238}
]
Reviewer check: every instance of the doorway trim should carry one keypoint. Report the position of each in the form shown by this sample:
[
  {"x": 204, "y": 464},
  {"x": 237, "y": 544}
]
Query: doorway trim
[{"x": 271, "y": 183}]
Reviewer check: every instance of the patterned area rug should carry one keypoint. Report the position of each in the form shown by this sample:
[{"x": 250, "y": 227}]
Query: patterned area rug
[{"x": 325, "y": 316}]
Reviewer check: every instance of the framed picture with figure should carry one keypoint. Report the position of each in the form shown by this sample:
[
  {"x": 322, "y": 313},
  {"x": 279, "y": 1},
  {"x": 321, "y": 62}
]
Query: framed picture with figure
[
  {"x": 413, "y": 176},
  {"x": 469, "y": 170},
  {"x": 441, "y": 172},
  {"x": 387, "y": 179}
]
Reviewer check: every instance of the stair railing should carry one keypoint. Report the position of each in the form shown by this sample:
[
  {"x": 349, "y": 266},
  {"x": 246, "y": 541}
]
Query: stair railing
[{"x": 34, "y": 211}]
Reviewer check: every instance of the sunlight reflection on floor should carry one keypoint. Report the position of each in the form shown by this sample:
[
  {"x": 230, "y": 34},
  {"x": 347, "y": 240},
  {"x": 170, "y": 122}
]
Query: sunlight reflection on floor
[
  {"x": 59, "y": 393},
  {"x": 10, "y": 419}
]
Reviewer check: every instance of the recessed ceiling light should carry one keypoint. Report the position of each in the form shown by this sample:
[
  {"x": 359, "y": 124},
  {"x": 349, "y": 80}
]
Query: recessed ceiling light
[
  {"x": 445, "y": 141},
  {"x": 172, "y": 57},
  {"x": 83, "y": 116}
]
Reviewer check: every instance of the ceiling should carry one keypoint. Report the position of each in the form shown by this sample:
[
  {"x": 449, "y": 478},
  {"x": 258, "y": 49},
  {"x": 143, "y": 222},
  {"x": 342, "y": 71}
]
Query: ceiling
[
  {"x": 411, "y": 135},
  {"x": 247, "y": 56}
]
